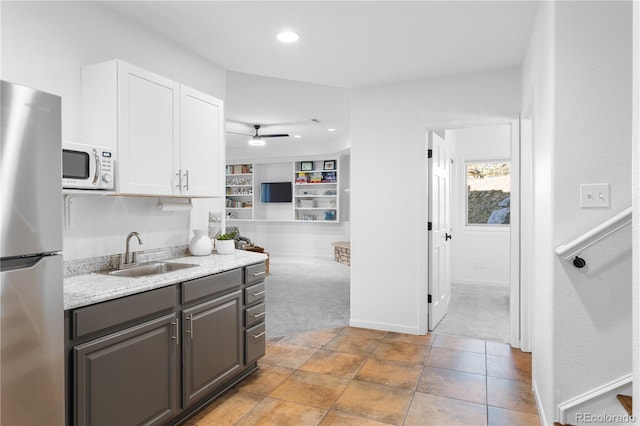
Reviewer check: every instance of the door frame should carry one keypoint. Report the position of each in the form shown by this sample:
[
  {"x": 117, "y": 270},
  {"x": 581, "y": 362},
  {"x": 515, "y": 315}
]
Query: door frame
[{"x": 518, "y": 297}]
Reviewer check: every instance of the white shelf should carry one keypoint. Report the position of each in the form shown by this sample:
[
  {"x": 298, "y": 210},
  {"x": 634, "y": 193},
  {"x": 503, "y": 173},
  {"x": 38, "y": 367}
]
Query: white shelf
[
  {"x": 316, "y": 196},
  {"x": 233, "y": 181},
  {"x": 316, "y": 208},
  {"x": 316, "y": 171},
  {"x": 316, "y": 184}
]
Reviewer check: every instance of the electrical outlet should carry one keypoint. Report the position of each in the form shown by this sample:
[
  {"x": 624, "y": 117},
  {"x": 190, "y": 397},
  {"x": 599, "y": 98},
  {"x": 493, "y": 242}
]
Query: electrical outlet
[{"x": 595, "y": 195}]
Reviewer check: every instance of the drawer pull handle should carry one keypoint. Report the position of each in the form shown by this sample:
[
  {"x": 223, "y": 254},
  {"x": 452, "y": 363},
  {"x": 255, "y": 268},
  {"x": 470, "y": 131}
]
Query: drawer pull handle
[
  {"x": 257, "y": 274},
  {"x": 261, "y": 314},
  {"x": 260, "y": 293},
  {"x": 259, "y": 335}
]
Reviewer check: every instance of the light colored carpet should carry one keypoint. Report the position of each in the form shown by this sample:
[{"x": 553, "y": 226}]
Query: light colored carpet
[
  {"x": 477, "y": 311},
  {"x": 305, "y": 293}
]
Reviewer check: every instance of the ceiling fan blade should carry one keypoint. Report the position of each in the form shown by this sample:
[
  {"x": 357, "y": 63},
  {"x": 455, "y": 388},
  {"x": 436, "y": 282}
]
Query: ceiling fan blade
[
  {"x": 276, "y": 135},
  {"x": 241, "y": 134}
]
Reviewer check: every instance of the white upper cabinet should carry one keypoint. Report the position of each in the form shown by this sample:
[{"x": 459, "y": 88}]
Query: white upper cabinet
[
  {"x": 168, "y": 137},
  {"x": 201, "y": 143}
]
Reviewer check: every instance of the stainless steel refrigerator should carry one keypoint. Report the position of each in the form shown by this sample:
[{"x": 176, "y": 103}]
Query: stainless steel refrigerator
[{"x": 31, "y": 297}]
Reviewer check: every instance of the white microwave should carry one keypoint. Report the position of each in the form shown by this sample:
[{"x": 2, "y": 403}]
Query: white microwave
[{"x": 87, "y": 166}]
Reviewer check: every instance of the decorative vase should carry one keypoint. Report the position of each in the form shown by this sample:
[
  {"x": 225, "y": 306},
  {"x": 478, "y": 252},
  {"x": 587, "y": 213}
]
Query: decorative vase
[
  {"x": 200, "y": 244},
  {"x": 225, "y": 246}
]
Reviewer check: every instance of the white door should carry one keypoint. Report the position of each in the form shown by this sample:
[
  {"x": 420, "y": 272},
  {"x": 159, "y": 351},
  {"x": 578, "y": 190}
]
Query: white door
[
  {"x": 148, "y": 145},
  {"x": 439, "y": 235},
  {"x": 201, "y": 144}
]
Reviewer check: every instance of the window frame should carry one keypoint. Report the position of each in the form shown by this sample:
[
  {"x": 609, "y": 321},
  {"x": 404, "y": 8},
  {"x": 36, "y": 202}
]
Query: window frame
[{"x": 501, "y": 227}]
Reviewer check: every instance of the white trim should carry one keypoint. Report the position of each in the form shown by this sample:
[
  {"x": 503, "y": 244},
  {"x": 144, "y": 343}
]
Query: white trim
[
  {"x": 601, "y": 400},
  {"x": 374, "y": 325},
  {"x": 536, "y": 395},
  {"x": 423, "y": 267},
  {"x": 515, "y": 315}
]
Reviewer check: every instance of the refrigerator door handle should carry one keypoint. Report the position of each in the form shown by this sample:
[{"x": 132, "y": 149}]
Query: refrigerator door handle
[{"x": 20, "y": 263}]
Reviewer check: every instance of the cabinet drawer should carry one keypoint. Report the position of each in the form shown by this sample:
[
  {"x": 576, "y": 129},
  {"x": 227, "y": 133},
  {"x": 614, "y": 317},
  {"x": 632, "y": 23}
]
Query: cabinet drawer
[
  {"x": 93, "y": 318},
  {"x": 254, "y": 315},
  {"x": 255, "y": 273},
  {"x": 205, "y": 286},
  {"x": 255, "y": 343},
  {"x": 254, "y": 293}
]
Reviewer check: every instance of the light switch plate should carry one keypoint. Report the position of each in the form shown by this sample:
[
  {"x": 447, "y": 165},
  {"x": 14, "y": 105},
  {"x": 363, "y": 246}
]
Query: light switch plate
[{"x": 595, "y": 195}]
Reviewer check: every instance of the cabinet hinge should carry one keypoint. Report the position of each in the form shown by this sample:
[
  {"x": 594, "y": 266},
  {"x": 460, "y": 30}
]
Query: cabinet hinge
[
  {"x": 429, "y": 226},
  {"x": 429, "y": 153},
  {"x": 429, "y": 298}
]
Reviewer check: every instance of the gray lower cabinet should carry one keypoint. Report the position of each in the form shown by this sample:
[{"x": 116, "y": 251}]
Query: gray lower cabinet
[
  {"x": 129, "y": 377},
  {"x": 156, "y": 357},
  {"x": 212, "y": 344}
]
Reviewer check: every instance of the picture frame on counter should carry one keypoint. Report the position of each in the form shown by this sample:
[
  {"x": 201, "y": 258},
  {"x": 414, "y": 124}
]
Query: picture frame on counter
[
  {"x": 306, "y": 166},
  {"x": 329, "y": 165}
]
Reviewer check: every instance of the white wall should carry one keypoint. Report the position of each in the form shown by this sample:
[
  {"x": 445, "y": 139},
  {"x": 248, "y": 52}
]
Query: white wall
[
  {"x": 388, "y": 179},
  {"x": 592, "y": 145},
  {"x": 480, "y": 254},
  {"x": 577, "y": 76},
  {"x": 44, "y": 45}
]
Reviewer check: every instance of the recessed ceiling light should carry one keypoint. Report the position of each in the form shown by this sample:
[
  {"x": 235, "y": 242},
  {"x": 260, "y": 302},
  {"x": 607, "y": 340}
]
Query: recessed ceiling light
[
  {"x": 297, "y": 136},
  {"x": 288, "y": 36},
  {"x": 331, "y": 130}
]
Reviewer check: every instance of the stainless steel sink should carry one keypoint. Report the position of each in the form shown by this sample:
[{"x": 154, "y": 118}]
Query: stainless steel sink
[{"x": 150, "y": 269}]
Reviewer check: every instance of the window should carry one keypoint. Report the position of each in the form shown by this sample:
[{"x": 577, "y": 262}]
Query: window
[{"x": 488, "y": 193}]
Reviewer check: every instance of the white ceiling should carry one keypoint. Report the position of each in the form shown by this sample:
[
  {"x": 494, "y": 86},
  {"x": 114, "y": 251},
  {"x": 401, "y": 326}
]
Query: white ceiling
[{"x": 343, "y": 44}]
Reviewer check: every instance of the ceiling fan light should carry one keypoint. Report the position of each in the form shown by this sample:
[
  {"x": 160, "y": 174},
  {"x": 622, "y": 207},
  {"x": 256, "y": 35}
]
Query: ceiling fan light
[
  {"x": 288, "y": 36},
  {"x": 256, "y": 141}
]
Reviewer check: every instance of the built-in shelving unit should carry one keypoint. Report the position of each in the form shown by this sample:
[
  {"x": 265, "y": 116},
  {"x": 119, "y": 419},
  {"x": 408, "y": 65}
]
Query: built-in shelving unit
[
  {"x": 239, "y": 191},
  {"x": 316, "y": 197},
  {"x": 315, "y": 191}
]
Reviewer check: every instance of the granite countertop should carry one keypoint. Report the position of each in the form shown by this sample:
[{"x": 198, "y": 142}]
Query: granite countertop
[{"x": 87, "y": 289}]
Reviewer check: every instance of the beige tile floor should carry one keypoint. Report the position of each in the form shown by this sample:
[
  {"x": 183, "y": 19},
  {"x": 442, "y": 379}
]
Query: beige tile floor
[{"x": 353, "y": 376}]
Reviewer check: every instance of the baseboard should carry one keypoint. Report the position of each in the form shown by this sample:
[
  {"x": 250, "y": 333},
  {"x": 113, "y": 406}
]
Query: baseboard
[
  {"x": 396, "y": 328},
  {"x": 481, "y": 282},
  {"x": 536, "y": 395},
  {"x": 600, "y": 401}
]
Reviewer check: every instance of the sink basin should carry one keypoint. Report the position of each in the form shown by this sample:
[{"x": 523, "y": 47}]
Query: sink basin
[{"x": 150, "y": 269}]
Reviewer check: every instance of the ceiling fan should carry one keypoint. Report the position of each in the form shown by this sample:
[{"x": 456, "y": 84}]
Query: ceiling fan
[{"x": 258, "y": 139}]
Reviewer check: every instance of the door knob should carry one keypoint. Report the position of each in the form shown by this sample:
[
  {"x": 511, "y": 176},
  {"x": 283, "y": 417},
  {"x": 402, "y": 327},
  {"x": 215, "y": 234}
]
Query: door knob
[{"x": 447, "y": 237}]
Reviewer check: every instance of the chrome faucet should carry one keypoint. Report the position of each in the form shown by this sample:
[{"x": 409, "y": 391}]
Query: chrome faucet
[{"x": 125, "y": 263}]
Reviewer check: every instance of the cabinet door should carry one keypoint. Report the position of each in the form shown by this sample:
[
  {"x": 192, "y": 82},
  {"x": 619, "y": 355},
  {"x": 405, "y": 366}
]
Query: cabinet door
[
  {"x": 148, "y": 132},
  {"x": 129, "y": 377},
  {"x": 202, "y": 143},
  {"x": 212, "y": 344}
]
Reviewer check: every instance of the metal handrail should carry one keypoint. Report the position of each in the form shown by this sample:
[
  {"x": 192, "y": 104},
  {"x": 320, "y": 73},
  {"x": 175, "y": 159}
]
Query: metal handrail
[{"x": 571, "y": 250}]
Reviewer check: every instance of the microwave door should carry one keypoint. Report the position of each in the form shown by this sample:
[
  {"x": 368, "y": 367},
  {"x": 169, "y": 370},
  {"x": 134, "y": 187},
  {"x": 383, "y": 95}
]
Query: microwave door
[{"x": 76, "y": 165}]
